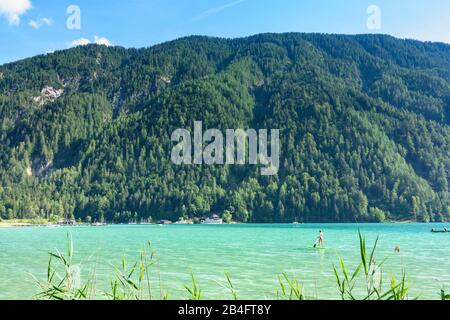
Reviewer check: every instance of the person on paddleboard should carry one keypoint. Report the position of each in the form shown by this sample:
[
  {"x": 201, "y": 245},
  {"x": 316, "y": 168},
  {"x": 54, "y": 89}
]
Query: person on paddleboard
[{"x": 319, "y": 239}]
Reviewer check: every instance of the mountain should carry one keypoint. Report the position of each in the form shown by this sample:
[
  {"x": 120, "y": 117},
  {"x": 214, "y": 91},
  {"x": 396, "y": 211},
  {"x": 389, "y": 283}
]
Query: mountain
[{"x": 364, "y": 129}]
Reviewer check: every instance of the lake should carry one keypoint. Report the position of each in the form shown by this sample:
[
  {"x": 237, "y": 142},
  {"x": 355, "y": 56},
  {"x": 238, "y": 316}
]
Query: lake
[{"x": 253, "y": 255}]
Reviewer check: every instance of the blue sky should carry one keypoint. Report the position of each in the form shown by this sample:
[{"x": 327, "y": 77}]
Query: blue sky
[{"x": 30, "y": 27}]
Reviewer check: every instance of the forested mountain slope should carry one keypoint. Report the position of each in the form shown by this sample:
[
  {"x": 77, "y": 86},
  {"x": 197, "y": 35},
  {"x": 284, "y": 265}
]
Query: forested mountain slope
[{"x": 364, "y": 126}]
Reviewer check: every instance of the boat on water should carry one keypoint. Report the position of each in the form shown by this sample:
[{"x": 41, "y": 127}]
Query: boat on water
[
  {"x": 164, "y": 222},
  {"x": 98, "y": 224},
  {"x": 183, "y": 222},
  {"x": 445, "y": 230},
  {"x": 214, "y": 219}
]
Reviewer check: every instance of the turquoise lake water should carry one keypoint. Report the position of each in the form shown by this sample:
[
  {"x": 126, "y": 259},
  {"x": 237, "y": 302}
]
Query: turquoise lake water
[{"x": 253, "y": 255}]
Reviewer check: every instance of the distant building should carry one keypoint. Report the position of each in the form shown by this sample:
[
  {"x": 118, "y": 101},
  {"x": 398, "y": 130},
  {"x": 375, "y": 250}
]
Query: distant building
[
  {"x": 164, "y": 222},
  {"x": 66, "y": 222}
]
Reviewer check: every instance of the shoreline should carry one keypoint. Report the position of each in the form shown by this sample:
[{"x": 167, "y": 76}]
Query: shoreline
[
  {"x": 21, "y": 223},
  {"x": 7, "y": 224}
]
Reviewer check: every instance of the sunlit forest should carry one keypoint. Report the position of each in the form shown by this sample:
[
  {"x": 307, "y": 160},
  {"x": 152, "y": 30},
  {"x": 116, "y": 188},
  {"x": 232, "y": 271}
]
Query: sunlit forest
[{"x": 364, "y": 123}]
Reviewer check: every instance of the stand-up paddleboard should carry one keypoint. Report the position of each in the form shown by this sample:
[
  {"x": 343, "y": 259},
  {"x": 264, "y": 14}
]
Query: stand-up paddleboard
[{"x": 316, "y": 249}]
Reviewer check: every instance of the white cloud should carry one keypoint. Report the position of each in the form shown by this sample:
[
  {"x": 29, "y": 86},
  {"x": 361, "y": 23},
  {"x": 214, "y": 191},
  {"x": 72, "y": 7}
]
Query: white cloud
[
  {"x": 102, "y": 41},
  {"x": 13, "y": 9},
  {"x": 97, "y": 40},
  {"x": 36, "y": 24},
  {"x": 213, "y": 11},
  {"x": 79, "y": 42}
]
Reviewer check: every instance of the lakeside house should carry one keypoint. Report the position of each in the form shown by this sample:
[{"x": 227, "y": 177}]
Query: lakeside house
[
  {"x": 164, "y": 222},
  {"x": 67, "y": 222}
]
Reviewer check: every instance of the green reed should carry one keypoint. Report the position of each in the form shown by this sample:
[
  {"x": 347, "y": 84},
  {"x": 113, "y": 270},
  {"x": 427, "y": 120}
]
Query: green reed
[
  {"x": 372, "y": 275},
  {"x": 63, "y": 283},
  {"x": 290, "y": 288},
  {"x": 194, "y": 292},
  {"x": 444, "y": 296}
]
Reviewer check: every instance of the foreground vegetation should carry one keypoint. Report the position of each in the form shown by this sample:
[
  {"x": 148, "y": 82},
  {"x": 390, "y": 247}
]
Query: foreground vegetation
[
  {"x": 134, "y": 282},
  {"x": 364, "y": 128}
]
